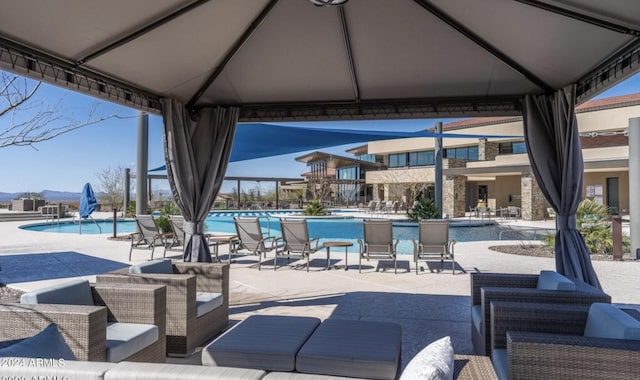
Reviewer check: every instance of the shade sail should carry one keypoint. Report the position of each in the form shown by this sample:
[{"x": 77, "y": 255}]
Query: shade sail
[
  {"x": 253, "y": 141},
  {"x": 88, "y": 201}
]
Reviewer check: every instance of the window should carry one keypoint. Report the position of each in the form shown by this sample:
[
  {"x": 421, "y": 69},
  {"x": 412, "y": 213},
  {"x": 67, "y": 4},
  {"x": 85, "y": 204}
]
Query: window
[
  {"x": 367, "y": 157},
  {"x": 423, "y": 158},
  {"x": 515, "y": 147},
  {"x": 473, "y": 153},
  {"x": 519, "y": 147},
  {"x": 465, "y": 153},
  {"x": 397, "y": 160}
]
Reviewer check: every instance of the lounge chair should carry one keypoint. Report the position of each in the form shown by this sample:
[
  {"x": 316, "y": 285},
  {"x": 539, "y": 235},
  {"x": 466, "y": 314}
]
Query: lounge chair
[
  {"x": 178, "y": 236},
  {"x": 251, "y": 240},
  {"x": 433, "y": 241},
  {"x": 98, "y": 322},
  {"x": 197, "y": 298},
  {"x": 373, "y": 207},
  {"x": 295, "y": 234},
  {"x": 148, "y": 235},
  {"x": 378, "y": 242},
  {"x": 547, "y": 287}
]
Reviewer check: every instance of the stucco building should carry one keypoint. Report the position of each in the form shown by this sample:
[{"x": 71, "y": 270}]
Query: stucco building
[{"x": 497, "y": 170}]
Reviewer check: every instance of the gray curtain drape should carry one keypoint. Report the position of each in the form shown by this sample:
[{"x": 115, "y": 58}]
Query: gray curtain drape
[
  {"x": 197, "y": 146},
  {"x": 553, "y": 145}
]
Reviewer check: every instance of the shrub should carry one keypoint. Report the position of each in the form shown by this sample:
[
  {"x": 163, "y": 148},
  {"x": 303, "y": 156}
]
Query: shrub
[
  {"x": 593, "y": 223},
  {"x": 314, "y": 208},
  {"x": 424, "y": 208},
  {"x": 163, "y": 220}
]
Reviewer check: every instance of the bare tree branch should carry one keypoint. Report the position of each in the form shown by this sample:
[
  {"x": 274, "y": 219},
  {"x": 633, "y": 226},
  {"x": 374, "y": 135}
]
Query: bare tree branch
[{"x": 25, "y": 121}]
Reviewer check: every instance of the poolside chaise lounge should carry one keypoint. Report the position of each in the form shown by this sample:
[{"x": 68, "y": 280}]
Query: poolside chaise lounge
[
  {"x": 433, "y": 241},
  {"x": 252, "y": 241},
  {"x": 378, "y": 242},
  {"x": 98, "y": 323},
  {"x": 295, "y": 234},
  {"x": 148, "y": 235},
  {"x": 547, "y": 287},
  {"x": 197, "y": 298}
]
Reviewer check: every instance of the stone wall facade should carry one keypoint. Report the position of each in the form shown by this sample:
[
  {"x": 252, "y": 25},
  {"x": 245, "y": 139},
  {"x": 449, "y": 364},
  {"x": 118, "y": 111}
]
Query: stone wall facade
[
  {"x": 487, "y": 150},
  {"x": 454, "y": 189},
  {"x": 534, "y": 204}
]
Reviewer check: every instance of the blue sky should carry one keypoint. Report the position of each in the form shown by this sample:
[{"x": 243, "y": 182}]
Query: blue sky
[{"x": 68, "y": 161}]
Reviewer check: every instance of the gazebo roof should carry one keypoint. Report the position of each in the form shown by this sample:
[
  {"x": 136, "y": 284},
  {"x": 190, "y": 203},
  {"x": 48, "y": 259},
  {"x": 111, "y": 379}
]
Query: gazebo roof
[{"x": 291, "y": 60}]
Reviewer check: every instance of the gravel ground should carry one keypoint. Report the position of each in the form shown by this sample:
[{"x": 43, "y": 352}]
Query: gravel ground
[{"x": 544, "y": 251}]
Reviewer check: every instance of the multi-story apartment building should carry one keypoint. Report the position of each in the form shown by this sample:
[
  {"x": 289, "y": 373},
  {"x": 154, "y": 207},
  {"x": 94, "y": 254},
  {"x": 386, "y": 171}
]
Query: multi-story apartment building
[
  {"x": 338, "y": 179},
  {"x": 495, "y": 171}
]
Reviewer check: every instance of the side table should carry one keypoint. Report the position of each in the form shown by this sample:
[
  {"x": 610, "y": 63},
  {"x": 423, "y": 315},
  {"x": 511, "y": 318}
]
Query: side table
[
  {"x": 329, "y": 244},
  {"x": 215, "y": 241}
]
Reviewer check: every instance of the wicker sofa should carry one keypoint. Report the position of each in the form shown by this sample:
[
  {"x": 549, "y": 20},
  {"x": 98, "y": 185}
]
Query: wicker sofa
[
  {"x": 554, "y": 341},
  {"x": 188, "y": 326},
  {"x": 492, "y": 287},
  {"x": 467, "y": 367},
  {"x": 84, "y": 327}
]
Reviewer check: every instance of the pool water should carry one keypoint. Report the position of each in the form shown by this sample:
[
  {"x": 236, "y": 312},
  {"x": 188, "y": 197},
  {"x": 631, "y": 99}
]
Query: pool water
[{"x": 347, "y": 229}]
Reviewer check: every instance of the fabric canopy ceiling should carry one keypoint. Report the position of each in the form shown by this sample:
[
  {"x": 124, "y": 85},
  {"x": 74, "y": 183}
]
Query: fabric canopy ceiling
[
  {"x": 253, "y": 141},
  {"x": 291, "y": 60}
]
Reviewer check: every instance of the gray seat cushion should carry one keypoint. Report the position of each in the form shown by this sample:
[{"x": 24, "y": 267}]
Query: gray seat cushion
[
  {"x": 162, "y": 266},
  {"x": 159, "y": 371},
  {"x": 550, "y": 280},
  {"x": 206, "y": 302},
  {"x": 352, "y": 348},
  {"x": 499, "y": 359},
  {"x": 608, "y": 321},
  {"x": 261, "y": 342},
  {"x": 476, "y": 317},
  {"x": 126, "y": 339},
  {"x": 76, "y": 292}
]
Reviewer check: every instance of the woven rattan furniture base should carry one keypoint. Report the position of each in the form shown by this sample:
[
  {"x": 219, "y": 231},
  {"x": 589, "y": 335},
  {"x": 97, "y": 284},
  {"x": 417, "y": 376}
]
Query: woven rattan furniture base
[{"x": 473, "y": 367}]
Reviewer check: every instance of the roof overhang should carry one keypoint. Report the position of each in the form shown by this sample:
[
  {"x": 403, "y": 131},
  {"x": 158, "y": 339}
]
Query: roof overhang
[{"x": 283, "y": 60}]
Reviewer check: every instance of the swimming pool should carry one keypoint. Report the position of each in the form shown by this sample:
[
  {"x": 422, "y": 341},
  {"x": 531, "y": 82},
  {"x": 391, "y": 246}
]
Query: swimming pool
[{"x": 345, "y": 228}]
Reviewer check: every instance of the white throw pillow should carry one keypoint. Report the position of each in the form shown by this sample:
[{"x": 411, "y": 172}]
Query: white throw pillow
[{"x": 434, "y": 362}]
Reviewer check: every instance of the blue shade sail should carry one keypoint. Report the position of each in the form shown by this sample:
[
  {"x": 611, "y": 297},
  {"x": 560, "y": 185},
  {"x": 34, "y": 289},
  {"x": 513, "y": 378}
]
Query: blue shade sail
[
  {"x": 253, "y": 141},
  {"x": 88, "y": 201}
]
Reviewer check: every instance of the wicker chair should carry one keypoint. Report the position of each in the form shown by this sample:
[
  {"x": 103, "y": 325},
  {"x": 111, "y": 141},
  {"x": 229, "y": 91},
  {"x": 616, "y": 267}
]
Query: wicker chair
[
  {"x": 185, "y": 329},
  {"x": 491, "y": 287},
  {"x": 84, "y": 328},
  {"x": 546, "y": 341}
]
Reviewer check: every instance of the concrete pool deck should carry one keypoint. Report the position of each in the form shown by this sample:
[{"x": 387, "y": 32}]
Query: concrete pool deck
[{"x": 428, "y": 306}]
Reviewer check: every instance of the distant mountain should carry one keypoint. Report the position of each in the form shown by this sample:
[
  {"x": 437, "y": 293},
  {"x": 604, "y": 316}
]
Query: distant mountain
[
  {"x": 49, "y": 196},
  {"x": 5, "y": 197}
]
